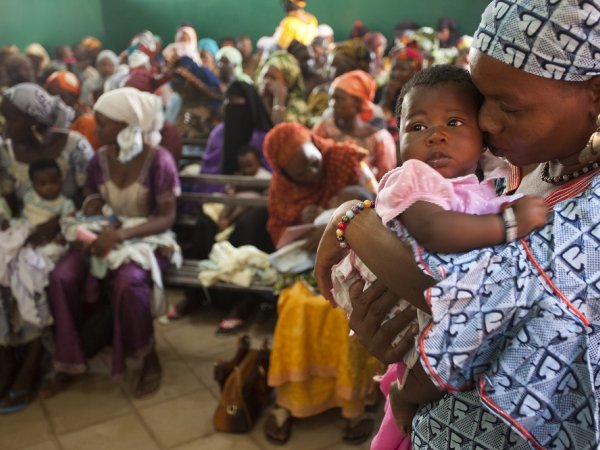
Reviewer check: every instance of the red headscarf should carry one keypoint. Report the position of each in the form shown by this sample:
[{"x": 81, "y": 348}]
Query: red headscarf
[
  {"x": 359, "y": 84},
  {"x": 287, "y": 199},
  {"x": 64, "y": 80}
]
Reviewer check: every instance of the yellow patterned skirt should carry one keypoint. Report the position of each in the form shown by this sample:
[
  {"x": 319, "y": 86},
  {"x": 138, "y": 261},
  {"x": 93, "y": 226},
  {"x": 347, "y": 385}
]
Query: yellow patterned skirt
[{"x": 315, "y": 364}]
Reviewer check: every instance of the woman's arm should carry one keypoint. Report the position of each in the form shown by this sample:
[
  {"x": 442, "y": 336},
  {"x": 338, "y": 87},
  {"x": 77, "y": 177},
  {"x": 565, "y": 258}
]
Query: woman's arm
[{"x": 390, "y": 259}]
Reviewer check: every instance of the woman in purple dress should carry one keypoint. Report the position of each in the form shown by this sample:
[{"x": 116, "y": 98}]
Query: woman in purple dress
[{"x": 136, "y": 179}]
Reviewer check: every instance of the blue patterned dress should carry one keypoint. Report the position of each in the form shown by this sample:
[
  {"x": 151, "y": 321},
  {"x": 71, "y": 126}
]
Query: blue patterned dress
[{"x": 515, "y": 336}]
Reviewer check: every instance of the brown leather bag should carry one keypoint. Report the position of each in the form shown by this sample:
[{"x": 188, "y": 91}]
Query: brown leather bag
[{"x": 245, "y": 393}]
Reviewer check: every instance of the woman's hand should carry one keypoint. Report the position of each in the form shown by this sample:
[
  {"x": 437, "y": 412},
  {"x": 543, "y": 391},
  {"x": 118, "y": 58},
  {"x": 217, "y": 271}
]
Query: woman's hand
[
  {"x": 44, "y": 233},
  {"x": 313, "y": 238},
  {"x": 107, "y": 240},
  {"x": 329, "y": 252},
  {"x": 369, "y": 310}
]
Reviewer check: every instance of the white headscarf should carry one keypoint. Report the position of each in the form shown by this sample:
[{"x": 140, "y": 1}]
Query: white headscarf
[
  {"x": 108, "y": 54},
  {"x": 141, "y": 110},
  {"x": 187, "y": 41},
  {"x": 557, "y": 39}
]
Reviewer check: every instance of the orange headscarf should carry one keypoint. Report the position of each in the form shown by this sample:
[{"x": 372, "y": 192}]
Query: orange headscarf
[
  {"x": 359, "y": 84},
  {"x": 287, "y": 199},
  {"x": 64, "y": 80}
]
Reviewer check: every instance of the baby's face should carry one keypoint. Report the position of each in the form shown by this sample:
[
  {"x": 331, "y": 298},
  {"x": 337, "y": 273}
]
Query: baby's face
[
  {"x": 93, "y": 207},
  {"x": 47, "y": 183},
  {"x": 438, "y": 126},
  {"x": 248, "y": 164}
]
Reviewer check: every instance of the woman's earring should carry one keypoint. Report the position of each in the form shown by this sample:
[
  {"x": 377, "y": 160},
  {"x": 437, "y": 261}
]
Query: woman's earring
[
  {"x": 37, "y": 135},
  {"x": 591, "y": 152}
]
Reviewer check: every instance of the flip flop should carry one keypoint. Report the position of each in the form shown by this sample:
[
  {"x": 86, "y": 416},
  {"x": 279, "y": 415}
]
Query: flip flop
[
  {"x": 230, "y": 326},
  {"x": 358, "y": 430},
  {"x": 24, "y": 395},
  {"x": 278, "y": 426}
]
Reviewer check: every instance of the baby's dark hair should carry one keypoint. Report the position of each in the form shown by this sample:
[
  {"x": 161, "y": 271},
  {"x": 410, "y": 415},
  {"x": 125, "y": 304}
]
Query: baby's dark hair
[
  {"x": 434, "y": 76},
  {"x": 43, "y": 164},
  {"x": 245, "y": 149}
]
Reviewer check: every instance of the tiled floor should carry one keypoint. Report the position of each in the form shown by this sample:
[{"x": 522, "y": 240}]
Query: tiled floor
[{"x": 97, "y": 413}]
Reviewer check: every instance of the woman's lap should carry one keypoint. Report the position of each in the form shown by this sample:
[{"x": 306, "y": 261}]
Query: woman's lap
[{"x": 129, "y": 289}]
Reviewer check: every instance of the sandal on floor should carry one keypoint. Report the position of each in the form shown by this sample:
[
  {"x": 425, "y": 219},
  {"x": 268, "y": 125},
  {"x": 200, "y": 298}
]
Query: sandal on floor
[
  {"x": 150, "y": 384},
  {"x": 16, "y": 400},
  {"x": 54, "y": 384},
  {"x": 278, "y": 426},
  {"x": 230, "y": 326},
  {"x": 358, "y": 430}
]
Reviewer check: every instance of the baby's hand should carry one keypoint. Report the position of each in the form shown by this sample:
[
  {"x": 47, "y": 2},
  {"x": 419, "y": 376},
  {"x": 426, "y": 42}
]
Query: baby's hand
[{"x": 530, "y": 212}]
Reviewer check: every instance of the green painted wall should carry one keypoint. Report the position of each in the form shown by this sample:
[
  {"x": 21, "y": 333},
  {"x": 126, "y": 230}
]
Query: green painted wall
[
  {"x": 50, "y": 22},
  {"x": 53, "y": 22}
]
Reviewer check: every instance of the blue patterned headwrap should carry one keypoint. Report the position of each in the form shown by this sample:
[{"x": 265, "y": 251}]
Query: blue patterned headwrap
[{"x": 558, "y": 39}]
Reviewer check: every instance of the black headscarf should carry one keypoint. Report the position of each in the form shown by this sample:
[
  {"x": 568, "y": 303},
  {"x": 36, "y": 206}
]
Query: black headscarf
[{"x": 240, "y": 123}]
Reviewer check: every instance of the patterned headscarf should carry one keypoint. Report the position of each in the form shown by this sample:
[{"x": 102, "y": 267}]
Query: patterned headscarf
[
  {"x": 141, "y": 111},
  {"x": 287, "y": 199},
  {"x": 65, "y": 80},
  {"x": 359, "y": 84},
  {"x": 34, "y": 101},
  {"x": 557, "y": 39},
  {"x": 289, "y": 67}
]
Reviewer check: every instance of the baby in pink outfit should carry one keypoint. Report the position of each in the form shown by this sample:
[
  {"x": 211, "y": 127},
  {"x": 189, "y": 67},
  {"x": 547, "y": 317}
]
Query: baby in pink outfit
[{"x": 439, "y": 200}]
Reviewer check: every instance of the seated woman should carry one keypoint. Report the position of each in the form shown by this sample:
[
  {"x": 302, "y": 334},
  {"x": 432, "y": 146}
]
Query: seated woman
[
  {"x": 346, "y": 56},
  {"x": 136, "y": 179},
  {"x": 315, "y": 365},
  {"x": 196, "y": 105},
  {"x": 245, "y": 123},
  {"x": 30, "y": 114},
  {"x": 281, "y": 88},
  {"x": 229, "y": 62},
  {"x": 351, "y": 97}
]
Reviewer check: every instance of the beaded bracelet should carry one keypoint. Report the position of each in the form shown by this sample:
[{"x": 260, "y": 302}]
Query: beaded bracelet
[{"x": 347, "y": 217}]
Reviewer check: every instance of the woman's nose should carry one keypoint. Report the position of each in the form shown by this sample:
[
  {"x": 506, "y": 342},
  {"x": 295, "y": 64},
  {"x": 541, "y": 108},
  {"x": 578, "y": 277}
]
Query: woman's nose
[{"x": 488, "y": 120}]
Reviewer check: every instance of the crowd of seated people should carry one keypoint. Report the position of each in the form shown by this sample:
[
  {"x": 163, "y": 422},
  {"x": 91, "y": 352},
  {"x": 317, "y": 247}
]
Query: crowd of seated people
[{"x": 314, "y": 112}]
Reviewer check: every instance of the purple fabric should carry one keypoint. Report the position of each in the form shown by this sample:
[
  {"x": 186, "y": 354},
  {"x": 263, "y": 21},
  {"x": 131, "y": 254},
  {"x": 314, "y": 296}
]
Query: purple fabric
[
  {"x": 211, "y": 161},
  {"x": 161, "y": 177},
  {"x": 128, "y": 289}
]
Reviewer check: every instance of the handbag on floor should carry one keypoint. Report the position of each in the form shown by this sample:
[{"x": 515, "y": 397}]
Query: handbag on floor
[{"x": 245, "y": 393}]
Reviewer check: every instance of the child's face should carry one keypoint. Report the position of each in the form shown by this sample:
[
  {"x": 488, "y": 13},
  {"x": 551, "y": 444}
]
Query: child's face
[
  {"x": 93, "y": 207},
  {"x": 248, "y": 164},
  {"x": 438, "y": 126},
  {"x": 47, "y": 183}
]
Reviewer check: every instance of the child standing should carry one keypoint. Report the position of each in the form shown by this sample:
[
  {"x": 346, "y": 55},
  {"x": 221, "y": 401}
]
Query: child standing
[{"x": 435, "y": 201}]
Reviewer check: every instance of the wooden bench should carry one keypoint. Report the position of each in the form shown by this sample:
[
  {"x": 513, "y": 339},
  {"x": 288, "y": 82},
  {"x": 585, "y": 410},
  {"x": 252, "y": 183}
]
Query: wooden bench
[{"x": 187, "y": 275}]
